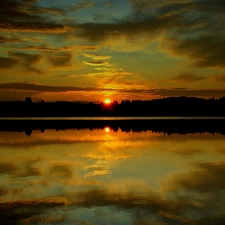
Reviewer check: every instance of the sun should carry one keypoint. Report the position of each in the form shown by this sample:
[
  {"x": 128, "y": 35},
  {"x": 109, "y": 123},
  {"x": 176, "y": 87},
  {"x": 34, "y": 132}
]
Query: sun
[
  {"x": 107, "y": 129},
  {"x": 107, "y": 101}
]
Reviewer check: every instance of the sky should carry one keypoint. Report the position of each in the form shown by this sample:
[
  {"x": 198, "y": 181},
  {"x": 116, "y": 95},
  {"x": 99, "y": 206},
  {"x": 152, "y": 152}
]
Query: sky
[{"x": 90, "y": 50}]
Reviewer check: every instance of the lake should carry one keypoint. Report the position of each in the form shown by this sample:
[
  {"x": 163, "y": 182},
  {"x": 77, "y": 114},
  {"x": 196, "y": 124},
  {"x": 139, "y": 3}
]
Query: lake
[{"x": 108, "y": 176}]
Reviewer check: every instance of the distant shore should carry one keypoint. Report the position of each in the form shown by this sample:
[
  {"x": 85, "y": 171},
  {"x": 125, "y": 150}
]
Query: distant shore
[{"x": 171, "y": 106}]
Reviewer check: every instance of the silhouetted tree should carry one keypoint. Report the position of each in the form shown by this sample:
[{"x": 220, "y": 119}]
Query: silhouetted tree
[
  {"x": 28, "y": 132},
  {"x": 28, "y": 100}
]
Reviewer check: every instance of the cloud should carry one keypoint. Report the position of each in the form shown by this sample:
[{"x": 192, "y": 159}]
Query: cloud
[
  {"x": 45, "y": 48},
  {"x": 28, "y": 59},
  {"x": 185, "y": 21},
  {"x": 32, "y": 211},
  {"x": 187, "y": 152},
  {"x": 82, "y": 4},
  {"x": 9, "y": 39},
  {"x": 151, "y": 93},
  {"x": 7, "y": 168},
  {"x": 146, "y": 4},
  {"x": 96, "y": 57},
  {"x": 204, "y": 51},
  {"x": 8, "y": 62},
  {"x": 176, "y": 92},
  {"x": 219, "y": 78},
  {"x": 61, "y": 171},
  {"x": 3, "y": 191},
  {"x": 97, "y": 63},
  {"x": 185, "y": 77},
  {"x": 27, "y": 16},
  {"x": 39, "y": 88},
  {"x": 28, "y": 169},
  {"x": 207, "y": 177},
  {"x": 67, "y": 76},
  {"x": 16, "y": 95},
  {"x": 129, "y": 28},
  {"x": 212, "y": 6},
  {"x": 60, "y": 59},
  {"x": 111, "y": 75}
]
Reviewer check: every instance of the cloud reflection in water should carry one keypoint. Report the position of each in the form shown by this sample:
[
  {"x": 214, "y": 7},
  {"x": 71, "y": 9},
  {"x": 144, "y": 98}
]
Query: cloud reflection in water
[{"x": 88, "y": 177}]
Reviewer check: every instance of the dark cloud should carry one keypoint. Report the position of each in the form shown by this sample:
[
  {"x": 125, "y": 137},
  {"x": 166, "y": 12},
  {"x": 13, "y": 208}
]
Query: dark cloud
[
  {"x": 207, "y": 93},
  {"x": 146, "y": 4},
  {"x": 27, "y": 16},
  {"x": 208, "y": 177},
  {"x": 9, "y": 39},
  {"x": 176, "y": 92},
  {"x": 8, "y": 62},
  {"x": 33, "y": 143},
  {"x": 204, "y": 51},
  {"x": 61, "y": 171},
  {"x": 211, "y": 6},
  {"x": 131, "y": 27},
  {"x": 41, "y": 88},
  {"x": 20, "y": 212},
  {"x": 7, "y": 168},
  {"x": 186, "y": 77},
  {"x": 16, "y": 95},
  {"x": 219, "y": 78},
  {"x": 82, "y": 4},
  {"x": 45, "y": 48},
  {"x": 100, "y": 197},
  {"x": 28, "y": 172},
  {"x": 29, "y": 59},
  {"x": 28, "y": 169},
  {"x": 196, "y": 34},
  {"x": 60, "y": 59},
  {"x": 16, "y": 58},
  {"x": 3, "y": 191},
  {"x": 187, "y": 152}
]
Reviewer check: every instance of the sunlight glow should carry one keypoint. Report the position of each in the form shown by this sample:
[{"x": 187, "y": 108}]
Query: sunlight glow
[
  {"x": 107, "y": 101},
  {"x": 107, "y": 129}
]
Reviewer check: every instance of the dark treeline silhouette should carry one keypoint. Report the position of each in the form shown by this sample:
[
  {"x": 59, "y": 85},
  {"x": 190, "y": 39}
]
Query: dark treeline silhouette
[
  {"x": 171, "y": 106},
  {"x": 166, "y": 126}
]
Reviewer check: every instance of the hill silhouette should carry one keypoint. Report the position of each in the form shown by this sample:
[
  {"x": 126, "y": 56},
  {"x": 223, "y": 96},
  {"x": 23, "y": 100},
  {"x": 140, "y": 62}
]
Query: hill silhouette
[{"x": 171, "y": 106}]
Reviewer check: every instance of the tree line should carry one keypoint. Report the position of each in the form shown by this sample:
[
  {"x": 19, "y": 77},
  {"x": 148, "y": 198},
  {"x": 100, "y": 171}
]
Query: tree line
[{"x": 171, "y": 106}]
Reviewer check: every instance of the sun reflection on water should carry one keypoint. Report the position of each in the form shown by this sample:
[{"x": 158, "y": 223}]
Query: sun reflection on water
[{"x": 107, "y": 129}]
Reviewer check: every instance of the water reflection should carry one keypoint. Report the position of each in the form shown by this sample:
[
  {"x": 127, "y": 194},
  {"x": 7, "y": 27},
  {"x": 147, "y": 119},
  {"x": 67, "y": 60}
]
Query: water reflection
[
  {"x": 107, "y": 129},
  {"x": 99, "y": 177},
  {"x": 167, "y": 126}
]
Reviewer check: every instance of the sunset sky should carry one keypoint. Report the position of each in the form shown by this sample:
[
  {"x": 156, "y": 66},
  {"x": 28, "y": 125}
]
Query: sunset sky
[{"x": 90, "y": 50}]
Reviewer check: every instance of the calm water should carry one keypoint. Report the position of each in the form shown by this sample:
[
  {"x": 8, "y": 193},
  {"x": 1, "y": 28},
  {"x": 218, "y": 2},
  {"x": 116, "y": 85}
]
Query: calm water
[
  {"x": 89, "y": 177},
  {"x": 118, "y": 118}
]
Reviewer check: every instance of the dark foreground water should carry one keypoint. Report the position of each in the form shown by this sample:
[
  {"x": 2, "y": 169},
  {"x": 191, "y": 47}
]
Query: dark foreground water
[{"x": 101, "y": 176}]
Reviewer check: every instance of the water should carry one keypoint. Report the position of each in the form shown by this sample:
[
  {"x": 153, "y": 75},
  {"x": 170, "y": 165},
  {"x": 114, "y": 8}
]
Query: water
[
  {"x": 119, "y": 118},
  {"x": 101, "y": 176}
]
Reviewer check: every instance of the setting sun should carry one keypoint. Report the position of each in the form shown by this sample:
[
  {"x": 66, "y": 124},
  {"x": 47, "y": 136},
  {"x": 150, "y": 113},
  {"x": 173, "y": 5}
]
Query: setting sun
[
  {"x": 107, "y": 129},
  {"x": 107, "y": 101}
]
